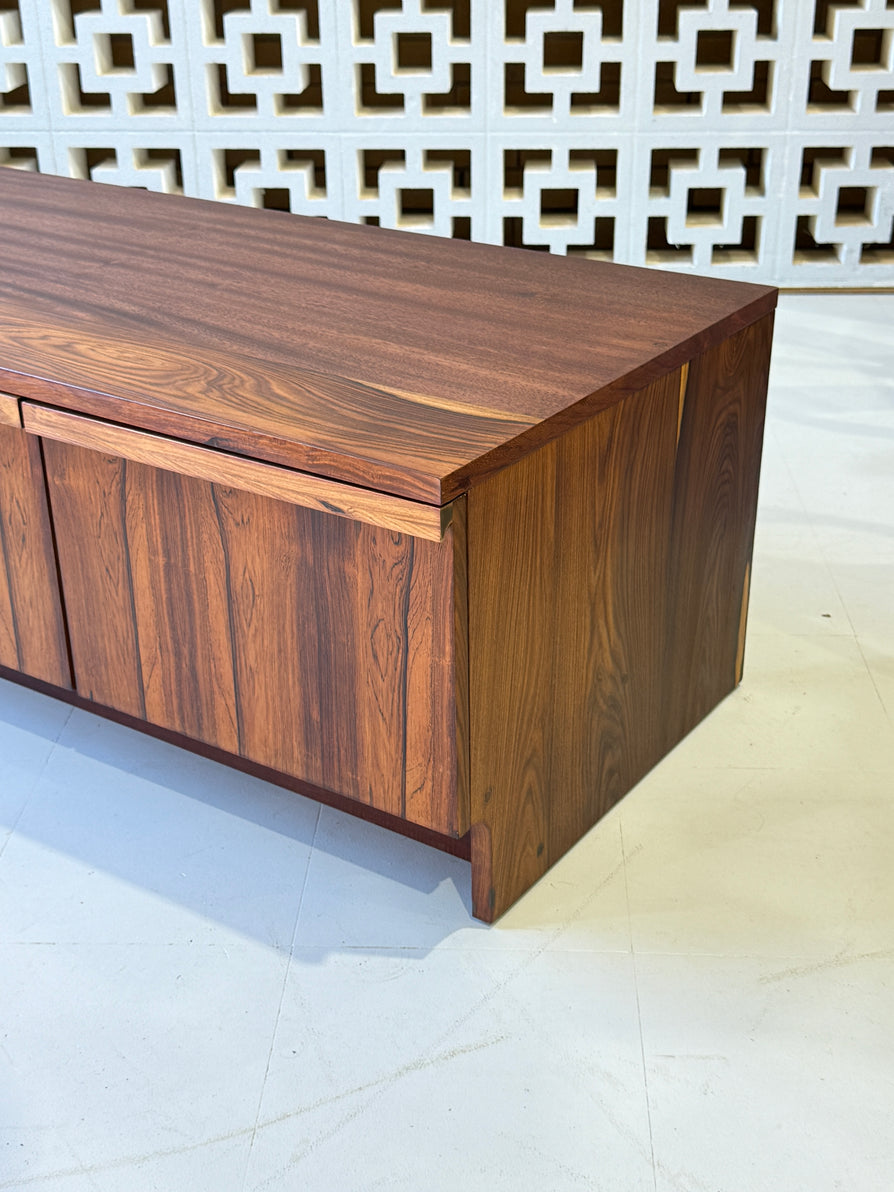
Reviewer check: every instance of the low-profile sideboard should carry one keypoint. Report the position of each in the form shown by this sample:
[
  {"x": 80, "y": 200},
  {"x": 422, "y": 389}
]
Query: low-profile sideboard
[{"x": 454, "y": 536}]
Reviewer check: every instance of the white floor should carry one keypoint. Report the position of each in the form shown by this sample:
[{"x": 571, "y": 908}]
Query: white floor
[{"x": 209, "y": 984}]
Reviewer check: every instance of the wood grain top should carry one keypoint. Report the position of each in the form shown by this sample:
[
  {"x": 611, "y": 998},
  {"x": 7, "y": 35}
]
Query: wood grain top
[{"x": 392, "y": 361}]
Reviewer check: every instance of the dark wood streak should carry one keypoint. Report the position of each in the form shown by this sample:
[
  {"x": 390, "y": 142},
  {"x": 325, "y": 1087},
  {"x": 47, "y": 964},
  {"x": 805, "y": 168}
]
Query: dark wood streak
[
  {"x": 334, "y": 619},
  {"x": 54, "y": 591},
  {"x": 404, "y": 665},
  {"x": 238, "y": 687},
  {"x": 389, "y": 360},
  {"x": 10, "y": 639},
  {"x": 457, "y": 618},
  {"x": 386, "y": 574},
  {"x": 129, "y": 590}
]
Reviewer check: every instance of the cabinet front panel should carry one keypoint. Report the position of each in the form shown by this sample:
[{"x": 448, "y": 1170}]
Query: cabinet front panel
[
  {"x": 316, "y": 645},
  {"x": 32, "y": 637}
]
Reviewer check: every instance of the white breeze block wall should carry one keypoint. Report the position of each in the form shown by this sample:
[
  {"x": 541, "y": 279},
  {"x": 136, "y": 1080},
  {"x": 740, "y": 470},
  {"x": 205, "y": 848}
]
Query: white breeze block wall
[{"x": 748, "y": 138}]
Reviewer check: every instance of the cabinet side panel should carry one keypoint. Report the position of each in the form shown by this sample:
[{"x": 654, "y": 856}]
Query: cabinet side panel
[
  {"x": 32, "y": 634},
  {"x": 715, "y": 502},
  {"x": 311, "y": 644},
  {"x": 568, "y": 559},
  {"x": 615, "y": 489},
  {"x": 607, "y": 587}
]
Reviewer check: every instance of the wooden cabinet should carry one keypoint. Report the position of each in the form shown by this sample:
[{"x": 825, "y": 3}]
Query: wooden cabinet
[{"x": 458, "y": 536}]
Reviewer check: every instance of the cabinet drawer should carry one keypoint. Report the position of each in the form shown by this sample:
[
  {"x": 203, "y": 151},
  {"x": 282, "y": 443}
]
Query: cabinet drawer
[{"x": 202, "y": 598}]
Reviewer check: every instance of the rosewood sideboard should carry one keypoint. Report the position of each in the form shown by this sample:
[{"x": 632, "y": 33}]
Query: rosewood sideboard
[{"x": 453, "y": 536}]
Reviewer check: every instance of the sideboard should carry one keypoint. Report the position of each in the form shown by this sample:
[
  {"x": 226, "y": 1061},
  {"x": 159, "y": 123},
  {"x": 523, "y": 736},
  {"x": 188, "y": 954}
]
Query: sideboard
[{"x": 453, "y": 536}]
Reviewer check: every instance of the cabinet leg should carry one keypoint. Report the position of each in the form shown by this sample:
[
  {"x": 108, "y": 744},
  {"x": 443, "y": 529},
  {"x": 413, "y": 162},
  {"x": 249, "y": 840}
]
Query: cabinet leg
[
  {"x": 484, "y": 898},
  {"x": 505, "y": 863}
]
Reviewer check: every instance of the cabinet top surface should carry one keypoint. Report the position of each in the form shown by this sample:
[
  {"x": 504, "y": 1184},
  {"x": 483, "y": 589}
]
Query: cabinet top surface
[{"x": 385, "y": 359}]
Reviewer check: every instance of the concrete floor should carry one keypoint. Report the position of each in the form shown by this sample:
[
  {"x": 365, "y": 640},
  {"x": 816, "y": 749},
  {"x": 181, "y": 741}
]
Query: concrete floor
[{"x": 207, "y": 983}]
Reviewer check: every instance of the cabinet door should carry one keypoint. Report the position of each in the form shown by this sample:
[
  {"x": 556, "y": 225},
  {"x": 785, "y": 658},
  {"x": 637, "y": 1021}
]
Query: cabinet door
[
  {"x": 32, "y": 637},
  {"x": 308, "y": 642}
]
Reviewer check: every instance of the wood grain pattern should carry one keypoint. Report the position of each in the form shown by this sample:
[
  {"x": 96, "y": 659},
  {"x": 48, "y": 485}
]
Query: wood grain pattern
[
  {"x": 459, "y": 530},
  {"x": 511, "y": 644},
  {"x": 712, "y": 533},
  {"x": 9, "y": 410},
  {"x": 382, "y": 358},
  {"x": 179, "y": 603},
  {"x": 358, "y": 433},
  {"x": 374, "y": 508},
  {"x": 32, "y": 635},
  {"x": 613, "y": 544},
  {"x": 606, "y": 574},
  {"x": 314, "y": 645},
  {"x": 88, "y": 508}
]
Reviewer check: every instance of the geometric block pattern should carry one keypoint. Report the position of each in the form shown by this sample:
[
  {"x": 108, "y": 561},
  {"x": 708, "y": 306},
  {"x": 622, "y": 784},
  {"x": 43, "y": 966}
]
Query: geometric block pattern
[
  {"x": 562, "y": 199},
  {"x": 259, "y": 62},
  {"x": 151, "y": 169},
  {"x": 420, "y": 188},
  {"x": 116, "y": 61},
  {"x": 846, "y": 204},
  {"x": 718, "y": 56},
  {"x": 565, "y": 62},
  {"x": 280, "y": 174},
  {"x": 412, "y": 62},
  {"x": 747, "y": 138},
  {"x": 854, "y": 58}
]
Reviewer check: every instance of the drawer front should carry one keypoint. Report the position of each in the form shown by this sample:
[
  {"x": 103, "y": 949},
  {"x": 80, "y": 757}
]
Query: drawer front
[
  {"x": 315, "y": 644},
  {"x": 251, "y": 475},
  {"x": 32, "y": 636}
]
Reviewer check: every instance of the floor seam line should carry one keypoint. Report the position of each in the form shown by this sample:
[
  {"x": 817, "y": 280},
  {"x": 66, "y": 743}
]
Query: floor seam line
[
  {"x": 282, "y": 995},
  {"x": 639, "y": 1013}
]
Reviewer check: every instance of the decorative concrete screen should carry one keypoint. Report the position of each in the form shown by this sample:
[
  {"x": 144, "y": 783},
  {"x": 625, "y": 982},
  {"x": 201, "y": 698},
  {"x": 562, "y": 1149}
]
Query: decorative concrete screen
[{"x": 749, "y": 138}]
